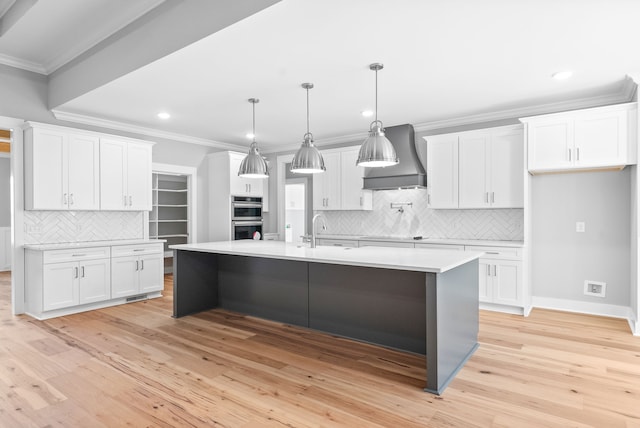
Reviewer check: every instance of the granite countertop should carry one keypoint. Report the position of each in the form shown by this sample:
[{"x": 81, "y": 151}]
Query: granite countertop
[
  {"x": 412, "y": 259},
  {"x": 71, "y": 245},
  {"x": 477, "y": 242}
]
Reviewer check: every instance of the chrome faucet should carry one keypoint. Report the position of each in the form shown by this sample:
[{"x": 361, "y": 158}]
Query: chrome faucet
[{"x": 313, "y": 228}]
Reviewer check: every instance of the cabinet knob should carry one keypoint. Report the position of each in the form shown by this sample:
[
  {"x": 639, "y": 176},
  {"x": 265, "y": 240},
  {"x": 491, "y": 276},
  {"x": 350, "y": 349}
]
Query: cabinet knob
[{"x": 71, "y": 199}]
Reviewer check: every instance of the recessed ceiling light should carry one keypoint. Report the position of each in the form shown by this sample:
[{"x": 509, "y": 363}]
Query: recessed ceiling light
[
  {"x": 250, "y": 135},
  {"x": 164, "y": 115},
  {"x": 561, "y": 75},
  {"x": 367, "y": 113}
]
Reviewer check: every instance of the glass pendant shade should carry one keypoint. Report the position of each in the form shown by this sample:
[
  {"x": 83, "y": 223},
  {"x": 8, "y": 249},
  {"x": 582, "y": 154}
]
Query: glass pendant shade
[
  {"x": 377, "y": 150},
  {"x": 307, "y": 159},
  {"x": 253, "y": 165}
]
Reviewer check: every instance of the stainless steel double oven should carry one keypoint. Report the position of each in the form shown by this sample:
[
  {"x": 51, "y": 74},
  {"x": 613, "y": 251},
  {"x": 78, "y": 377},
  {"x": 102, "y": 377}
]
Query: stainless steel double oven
[{"x": 246, "y": 217}]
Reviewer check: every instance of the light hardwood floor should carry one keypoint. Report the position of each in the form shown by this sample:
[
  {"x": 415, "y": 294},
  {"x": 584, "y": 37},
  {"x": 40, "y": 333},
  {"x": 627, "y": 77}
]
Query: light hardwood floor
[{"x": 134, "y": 365}]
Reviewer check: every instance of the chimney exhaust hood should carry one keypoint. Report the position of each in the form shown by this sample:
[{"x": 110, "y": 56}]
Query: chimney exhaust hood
[{"x": 408, "y": 173}]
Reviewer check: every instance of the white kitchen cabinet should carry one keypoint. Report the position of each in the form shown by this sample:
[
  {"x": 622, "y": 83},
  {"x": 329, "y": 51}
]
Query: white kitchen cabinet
[
  {"x": 59, "y": 279},
  {"x": 61, "y": 169},
  {"x": 326, "y": 185},
  {"x": 136, "y": 269},
  {"x": 442, "y": 171},
  {"x": 125, "y": 175},
  {"x": 491, "y": 169},
  {"x": 601, "y": 137},
  {"x": 353, "y": 196},
  {"x": 340, "y": 186},
  {"x": 500, "y": 276},
  {"x": 476, "y": 169}
]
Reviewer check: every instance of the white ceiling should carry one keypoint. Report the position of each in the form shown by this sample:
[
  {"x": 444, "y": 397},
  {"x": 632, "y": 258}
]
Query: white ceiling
[{"x": 446, "y": 62}]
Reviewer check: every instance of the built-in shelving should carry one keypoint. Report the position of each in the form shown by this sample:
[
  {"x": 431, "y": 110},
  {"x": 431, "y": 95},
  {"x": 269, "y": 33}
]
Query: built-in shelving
[{"x": 169, "y": 218}]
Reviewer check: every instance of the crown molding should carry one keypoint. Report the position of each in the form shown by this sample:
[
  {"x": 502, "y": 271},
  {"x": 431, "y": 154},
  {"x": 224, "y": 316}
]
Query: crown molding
[
  {"x": 22, "y": 64},
  {"x": 624, "y": 95},
  {"x": 135, "y": 129}
]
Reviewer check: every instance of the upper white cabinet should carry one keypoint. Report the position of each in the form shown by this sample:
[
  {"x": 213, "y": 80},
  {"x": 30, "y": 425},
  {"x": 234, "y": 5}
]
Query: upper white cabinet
[
  {"x": 326, "y": 185},
  {"x": 340, "y": 186},
  {"x": 476, "y": 169},
  {"x": 491, "y": 169},
  {"x": 125, "y": 175},
  {"x": 61, "y": 169},
  {"x": 601, "y": 137}
]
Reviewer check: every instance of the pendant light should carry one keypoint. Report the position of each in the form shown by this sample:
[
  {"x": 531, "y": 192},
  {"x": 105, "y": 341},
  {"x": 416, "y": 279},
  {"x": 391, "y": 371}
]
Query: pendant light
[
  {"x": 253, "y": 165},
  {"x": 377, "y": 150},
  {"x": 308, "y": 159}
]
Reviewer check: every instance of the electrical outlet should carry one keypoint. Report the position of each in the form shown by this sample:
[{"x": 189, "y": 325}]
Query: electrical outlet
[
  {"x": 580, "y": 226},
  {"x": 595, "y": 288}
]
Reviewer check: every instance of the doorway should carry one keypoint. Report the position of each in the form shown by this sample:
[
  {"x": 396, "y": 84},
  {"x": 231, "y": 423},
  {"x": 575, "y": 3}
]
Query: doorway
[{"x": 296, "y": 211}]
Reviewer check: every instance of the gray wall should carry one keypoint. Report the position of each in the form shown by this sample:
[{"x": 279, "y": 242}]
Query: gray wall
[
  {"x": 563, "y": 258},
  {"x": 5, "y": 195}
]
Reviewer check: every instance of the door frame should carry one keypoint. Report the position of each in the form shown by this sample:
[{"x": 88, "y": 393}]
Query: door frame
[
  {"x": 17, "y": 213},
  {"x": 192, "y": 191}
]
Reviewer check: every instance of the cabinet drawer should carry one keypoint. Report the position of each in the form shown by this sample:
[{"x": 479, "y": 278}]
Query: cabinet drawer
[
  {"x": 75, "y": 254},
  {"x": 440, "y": 246},
  {"x": 511, "y": 253},
  {"x": 386, "y": 244},
  {"x": 136, "y": 249},
  {"x": 338, "y": 243}
]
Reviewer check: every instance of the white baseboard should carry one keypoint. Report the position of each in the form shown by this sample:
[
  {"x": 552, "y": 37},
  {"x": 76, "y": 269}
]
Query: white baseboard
[
  {"x": 515, "y": 310},
  {"x": 635, "y": 327},
  {"x": 591, "y": 308}
]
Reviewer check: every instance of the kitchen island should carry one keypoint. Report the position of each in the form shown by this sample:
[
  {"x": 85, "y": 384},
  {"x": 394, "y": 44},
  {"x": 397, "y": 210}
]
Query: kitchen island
[{"x": 418, "y": 300}]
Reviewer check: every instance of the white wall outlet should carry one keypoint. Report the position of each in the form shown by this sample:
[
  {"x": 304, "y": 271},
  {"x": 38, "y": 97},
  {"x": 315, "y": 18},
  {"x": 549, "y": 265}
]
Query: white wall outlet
[
  {"x": 595, "y": 288},
  {"x": 580, "y": 226}
]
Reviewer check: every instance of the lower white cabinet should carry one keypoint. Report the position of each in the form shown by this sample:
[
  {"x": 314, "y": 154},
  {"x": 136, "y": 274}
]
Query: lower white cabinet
[
  {"x": 136, "y": 269},
  {"x": 64, "y": 281},
  {"x": 500, "y": 276}
]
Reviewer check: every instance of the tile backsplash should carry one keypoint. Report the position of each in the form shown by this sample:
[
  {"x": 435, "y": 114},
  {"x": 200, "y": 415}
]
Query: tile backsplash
[
  {"x": 52, "y": 227},
  {"x": 418, "y": 219}
]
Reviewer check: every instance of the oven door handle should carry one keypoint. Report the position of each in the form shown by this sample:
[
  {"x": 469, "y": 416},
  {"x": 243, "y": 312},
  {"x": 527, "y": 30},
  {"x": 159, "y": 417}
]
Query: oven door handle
[
  {"x": 247, "y": 204},
  {"x": 247, "y": 223}
]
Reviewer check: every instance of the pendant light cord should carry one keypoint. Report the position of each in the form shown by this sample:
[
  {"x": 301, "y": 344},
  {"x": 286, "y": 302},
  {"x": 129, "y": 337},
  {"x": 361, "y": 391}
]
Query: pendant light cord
[
  {"x": 254, "y": 121},
  {"x": 307, "y": 110},
  {"x": 376, "y": 95}
]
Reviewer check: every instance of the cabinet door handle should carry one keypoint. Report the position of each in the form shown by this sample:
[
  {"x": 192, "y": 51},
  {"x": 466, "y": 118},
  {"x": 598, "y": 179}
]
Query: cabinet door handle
[
  {"x": 493, "y": 197},
  {"x": 569, "y": 155},
  {"x": 125, "y": 200},
  {"x": 137, "y": 267},
  {"x": 64, "y": 199},
  {"x": 141, "y": 264},
  {"x": 70, "y": 198},
  {"x": 249, "y": 188},
  {"x": 130, "y": 200},
  {"x": 76, "y": 269},
  {"x": 486, "y": 197},
  {"x": 488, "y": 270},
  {"x": 495, "y": 270},
  {"x": 360, "y": 200},
  {"x": 428, "y": 199},
  {"x": 82, "y": 270},
  {"x": 577, "y": 153}
]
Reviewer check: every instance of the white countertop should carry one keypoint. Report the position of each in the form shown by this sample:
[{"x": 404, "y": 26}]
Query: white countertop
[
  {"x": 413, "y": 259},
  {"x": 91, "y": 244},
  {"x": 478, "y": 242}
]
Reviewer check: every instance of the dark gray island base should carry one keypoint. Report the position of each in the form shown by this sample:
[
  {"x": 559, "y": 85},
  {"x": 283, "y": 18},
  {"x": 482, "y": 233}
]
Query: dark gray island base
[{"x": 422, "y": 312}]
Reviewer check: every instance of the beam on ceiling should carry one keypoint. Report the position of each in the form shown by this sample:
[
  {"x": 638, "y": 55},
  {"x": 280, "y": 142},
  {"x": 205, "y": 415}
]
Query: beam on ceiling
[
  {"x": 13, "y": 14},
  {"x": 164, "y": 30}
]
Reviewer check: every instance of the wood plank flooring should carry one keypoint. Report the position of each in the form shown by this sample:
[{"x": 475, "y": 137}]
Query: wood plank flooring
[{"x": 134, "y": 365}]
